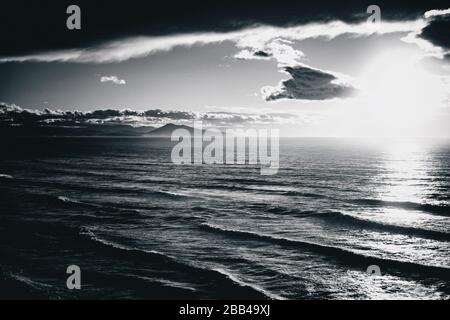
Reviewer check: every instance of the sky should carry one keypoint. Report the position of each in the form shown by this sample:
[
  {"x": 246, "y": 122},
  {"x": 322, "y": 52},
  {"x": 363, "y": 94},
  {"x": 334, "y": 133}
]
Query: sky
[{"x": 309, "y": 68}]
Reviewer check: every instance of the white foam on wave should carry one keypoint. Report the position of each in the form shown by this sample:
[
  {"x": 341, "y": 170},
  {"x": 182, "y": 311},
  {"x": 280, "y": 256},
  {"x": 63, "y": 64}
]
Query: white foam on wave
[
  {"x": 6, "y": 176},
  {"x": 361, "y": 252},
  {"x": 32, "y": 283},
  {"x": 165, "y": 282},
  {"x": 90, "y": 233},
  {"x": 70, "y": 200},
  {"x": 242, "y": 283},
  {"x": 65, "y": 199}
]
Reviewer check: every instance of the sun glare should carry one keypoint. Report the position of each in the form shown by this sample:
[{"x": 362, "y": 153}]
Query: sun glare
[{"x": 398, "y": 96}]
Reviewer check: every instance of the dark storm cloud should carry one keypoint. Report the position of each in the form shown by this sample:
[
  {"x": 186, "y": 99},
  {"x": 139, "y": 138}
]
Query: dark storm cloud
[
  {"x": 308, "y": 84},
  {"x": 262, "y": 54},
  {"x": 438, "y": 31},
  {"x": 28, "y": 27}
]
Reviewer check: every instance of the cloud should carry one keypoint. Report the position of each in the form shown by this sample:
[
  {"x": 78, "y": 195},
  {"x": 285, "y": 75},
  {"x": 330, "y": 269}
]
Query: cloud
[
  {"x": 258, "y": 42},
  {"x": 433, "y": 37},
  {"x": 278, "y": 49},
  {"x": 15, "y": 115},
  {"x": 253, "y": 39},
  {"x": 437, "y": 30},
  {"x": 436, "y": 13},
  {"x": 224, "y": 119},
  {"x": 113, "y": 79},
  {"x": 246, "y": 54},
  {"x": 306, "y": 83},
  {"x": 139, "y": 17},
  {"x": 123, "y": 50},
  {"x": 261, "y": 43},
  {"x": 262, "y": 54}
]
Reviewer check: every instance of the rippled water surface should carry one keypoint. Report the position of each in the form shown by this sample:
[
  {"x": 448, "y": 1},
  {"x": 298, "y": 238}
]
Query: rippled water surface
[{"x": 140, "y": 227}]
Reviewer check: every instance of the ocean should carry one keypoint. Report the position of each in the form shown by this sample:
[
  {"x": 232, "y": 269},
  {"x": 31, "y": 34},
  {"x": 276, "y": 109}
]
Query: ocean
[{"x": 140, "y": 227}]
